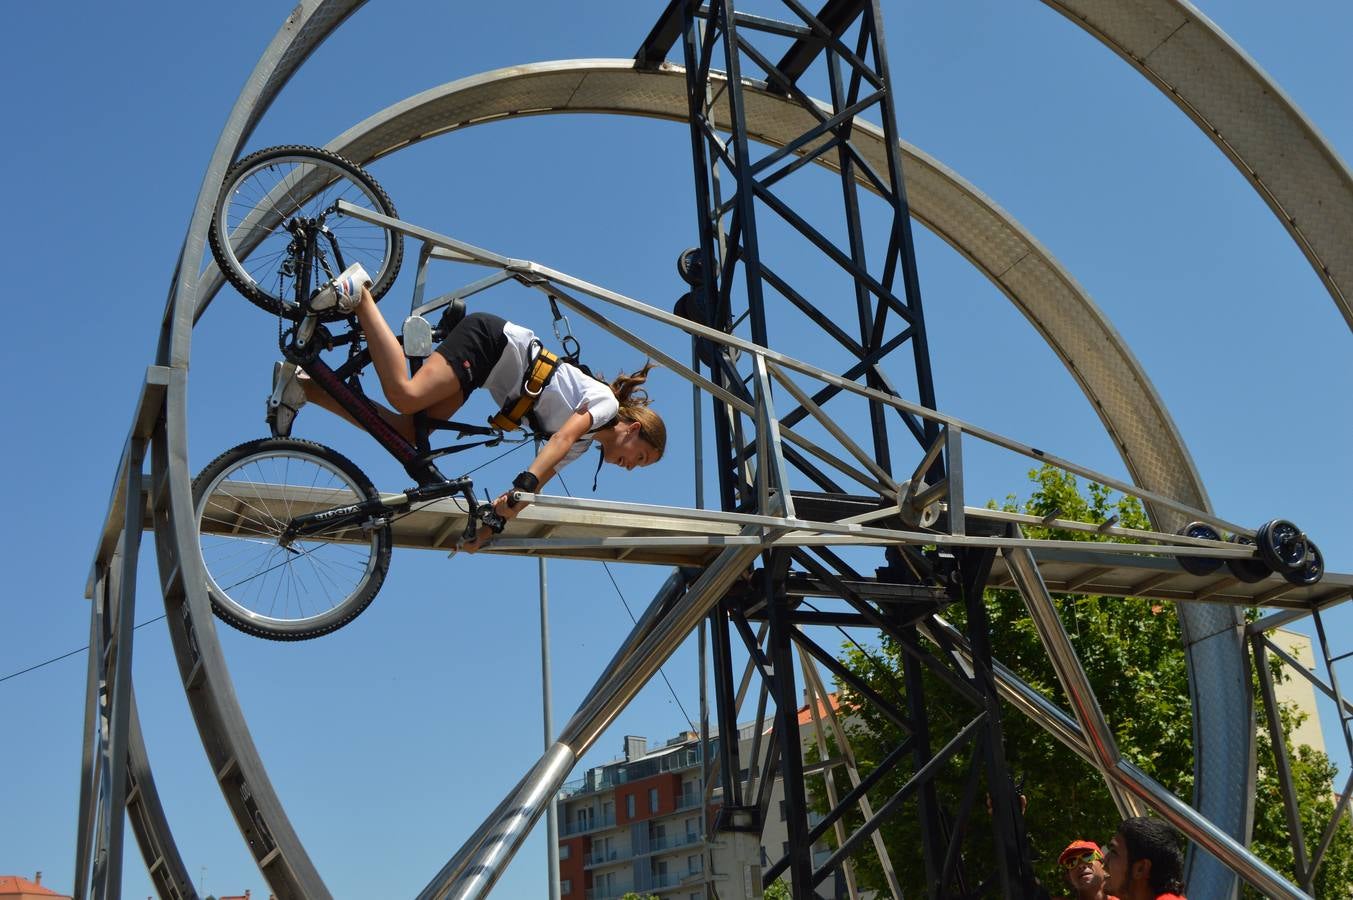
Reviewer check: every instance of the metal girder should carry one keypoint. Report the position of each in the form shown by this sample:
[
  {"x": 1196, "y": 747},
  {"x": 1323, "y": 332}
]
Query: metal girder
[
  {"x": 108, "y": 700},
  {"x": 473, "y": 871}
]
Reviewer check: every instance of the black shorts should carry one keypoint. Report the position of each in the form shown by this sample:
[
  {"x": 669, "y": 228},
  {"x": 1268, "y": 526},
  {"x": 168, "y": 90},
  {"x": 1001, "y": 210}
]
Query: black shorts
[{"x": 474, "y": 347}]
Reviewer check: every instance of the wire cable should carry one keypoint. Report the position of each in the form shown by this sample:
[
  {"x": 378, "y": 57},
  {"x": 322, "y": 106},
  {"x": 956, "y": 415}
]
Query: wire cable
[
  {"x": 630, "y": 613},
  {"x": 56, "y": 659}
]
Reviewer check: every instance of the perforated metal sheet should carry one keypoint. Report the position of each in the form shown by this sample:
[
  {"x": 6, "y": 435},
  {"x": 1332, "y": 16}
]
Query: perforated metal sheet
[{"x": 1240, "y": 109}]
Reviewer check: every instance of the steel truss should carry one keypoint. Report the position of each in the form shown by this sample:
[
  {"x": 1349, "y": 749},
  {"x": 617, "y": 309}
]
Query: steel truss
[
  {"x": 725, "y": 159},
  {"x": 843, "y": 42}
]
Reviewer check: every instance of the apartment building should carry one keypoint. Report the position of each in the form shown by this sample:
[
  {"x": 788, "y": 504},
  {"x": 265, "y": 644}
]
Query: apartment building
[{"x": 634, "y": 824}]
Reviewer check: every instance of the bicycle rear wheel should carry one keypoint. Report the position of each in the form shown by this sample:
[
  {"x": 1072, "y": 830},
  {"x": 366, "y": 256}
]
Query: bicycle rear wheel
[
  {"x": 267, "y": 191},
  {"x": 243, "y": 501}
]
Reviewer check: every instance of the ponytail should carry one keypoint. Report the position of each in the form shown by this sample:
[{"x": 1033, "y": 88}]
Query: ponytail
[{"x": 634, "y": 407}]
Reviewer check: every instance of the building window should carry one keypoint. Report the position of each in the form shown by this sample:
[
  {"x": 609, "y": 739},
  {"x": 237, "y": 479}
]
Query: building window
[
  {"x": 694, "y": 864},
  {"x": 652, "y": 800},
  {"x": 563, "y": 851},
  {"x": 565, "y": 886},
  {"x": 629, "y": 805}
]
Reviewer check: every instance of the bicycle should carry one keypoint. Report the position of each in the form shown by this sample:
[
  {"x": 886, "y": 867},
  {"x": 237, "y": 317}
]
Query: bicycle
[{"x": 295, "y": 539}]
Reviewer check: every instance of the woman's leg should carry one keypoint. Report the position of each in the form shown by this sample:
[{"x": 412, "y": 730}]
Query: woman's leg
[{"x": 434, "y": 385}]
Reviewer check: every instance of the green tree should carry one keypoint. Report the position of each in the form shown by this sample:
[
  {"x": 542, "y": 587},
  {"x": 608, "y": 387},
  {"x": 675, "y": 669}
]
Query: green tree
[{"x": 1131, "y": 652}]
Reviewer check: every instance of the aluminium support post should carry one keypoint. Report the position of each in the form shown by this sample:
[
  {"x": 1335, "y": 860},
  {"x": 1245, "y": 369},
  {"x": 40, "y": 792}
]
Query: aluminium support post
[{"x": 547, "y": 707}]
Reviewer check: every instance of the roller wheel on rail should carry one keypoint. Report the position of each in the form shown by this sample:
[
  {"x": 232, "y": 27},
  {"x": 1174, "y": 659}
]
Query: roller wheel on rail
[
  {"x": 262, "y": 198},
  {"x": 1200, "y": 565},
  {"x": 1282, "y": 545},
  {"x": 243, "y": 500},
  {"x": 1312, "y": 568},
  {"x": 1250, "y": 570}
]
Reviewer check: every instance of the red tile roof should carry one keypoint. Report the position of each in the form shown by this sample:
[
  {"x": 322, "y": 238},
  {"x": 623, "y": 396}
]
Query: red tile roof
[
  {"x": 806, "y": 715},
  {"x": 14, "y": 886}
]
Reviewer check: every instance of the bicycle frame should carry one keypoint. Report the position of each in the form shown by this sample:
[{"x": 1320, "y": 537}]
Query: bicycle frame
[{"x": 417, "y": 457}]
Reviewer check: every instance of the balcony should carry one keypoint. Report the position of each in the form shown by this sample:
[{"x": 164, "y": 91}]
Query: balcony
[
  {"x": 688, "y": 800},
  {"x": 657, "y": 845},
  {"x": 610, "y": 775},
  {"x": 591, "y": 823},
  {"x": 599, "y": 857}
]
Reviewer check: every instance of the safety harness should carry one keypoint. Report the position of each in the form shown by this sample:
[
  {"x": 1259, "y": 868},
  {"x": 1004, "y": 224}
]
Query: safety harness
[{"x": 540, "y": 369}]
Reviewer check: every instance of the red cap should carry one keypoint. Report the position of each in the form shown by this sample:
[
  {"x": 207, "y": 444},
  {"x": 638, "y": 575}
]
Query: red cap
[{"x": 1075, "y": 846}]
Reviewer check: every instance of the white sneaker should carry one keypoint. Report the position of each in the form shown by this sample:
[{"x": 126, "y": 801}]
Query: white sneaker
[
  {"x": 286, "y": 399},
  {"x": 345, "y": 291}
]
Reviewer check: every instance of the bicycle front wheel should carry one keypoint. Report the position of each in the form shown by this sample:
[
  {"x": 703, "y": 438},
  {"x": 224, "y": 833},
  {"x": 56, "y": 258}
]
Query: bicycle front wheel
[
  {"x": 264, "y": 197},
  {"x": 301, "y": 589}
]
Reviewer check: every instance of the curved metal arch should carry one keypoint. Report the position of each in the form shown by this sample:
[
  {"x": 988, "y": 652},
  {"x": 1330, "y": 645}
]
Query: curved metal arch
[
  {"x": 1243, "y": 111},
  {"x": 220, "y": 721}
]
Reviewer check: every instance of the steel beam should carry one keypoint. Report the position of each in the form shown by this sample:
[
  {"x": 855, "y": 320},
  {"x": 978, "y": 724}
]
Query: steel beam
[{"x": 479, "y": 864}]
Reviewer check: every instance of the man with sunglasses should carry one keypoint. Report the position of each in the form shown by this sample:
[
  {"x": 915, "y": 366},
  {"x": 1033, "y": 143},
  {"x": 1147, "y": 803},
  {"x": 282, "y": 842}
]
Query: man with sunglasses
[{"x": 1084, "y": 866}]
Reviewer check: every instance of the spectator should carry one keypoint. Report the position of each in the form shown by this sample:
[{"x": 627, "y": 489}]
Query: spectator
[
  {"x": 1145, "y": 862},
  {"x": 1084, "y": 866}
]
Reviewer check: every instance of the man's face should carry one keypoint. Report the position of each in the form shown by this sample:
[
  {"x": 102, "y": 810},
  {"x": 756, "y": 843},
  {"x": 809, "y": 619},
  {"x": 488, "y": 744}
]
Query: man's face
[
  {"x": 1085, "y": 872},
  {"x": 1116, "y": 867}
]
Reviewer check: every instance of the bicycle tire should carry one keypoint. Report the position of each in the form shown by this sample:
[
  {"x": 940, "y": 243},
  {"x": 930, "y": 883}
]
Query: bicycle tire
[
  {"x": 285, "y": 593},
  {"x": 249, "y": 240}
]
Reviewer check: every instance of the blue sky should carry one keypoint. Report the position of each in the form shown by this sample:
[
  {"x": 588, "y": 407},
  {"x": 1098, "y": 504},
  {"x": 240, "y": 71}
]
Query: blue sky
[{"x": 390, "y": 740}]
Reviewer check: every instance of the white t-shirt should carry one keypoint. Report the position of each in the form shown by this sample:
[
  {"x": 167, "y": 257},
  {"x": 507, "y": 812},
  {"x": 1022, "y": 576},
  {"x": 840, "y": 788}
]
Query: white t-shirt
[{"x": 570, "y": 390}]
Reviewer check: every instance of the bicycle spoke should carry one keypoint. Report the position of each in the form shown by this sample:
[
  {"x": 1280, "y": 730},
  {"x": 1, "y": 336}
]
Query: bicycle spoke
[{"x": 244, "y": 512}]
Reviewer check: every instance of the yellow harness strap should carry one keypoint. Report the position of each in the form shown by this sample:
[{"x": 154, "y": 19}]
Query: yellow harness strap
[{"x": 538, "y": 375}]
